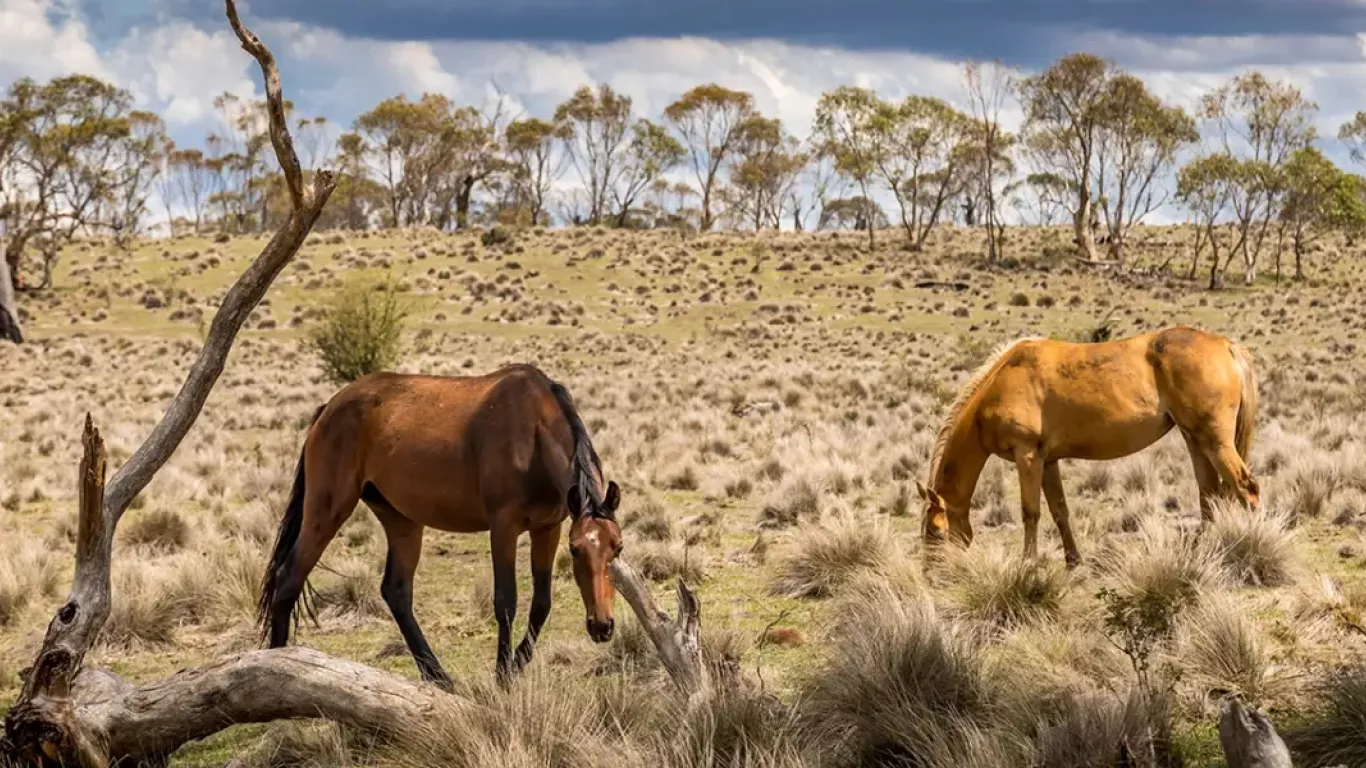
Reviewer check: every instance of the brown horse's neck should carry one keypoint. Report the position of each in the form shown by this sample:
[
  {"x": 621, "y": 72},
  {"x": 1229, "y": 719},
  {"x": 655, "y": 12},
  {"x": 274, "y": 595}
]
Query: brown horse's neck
[{"x": 960, "y": 464}]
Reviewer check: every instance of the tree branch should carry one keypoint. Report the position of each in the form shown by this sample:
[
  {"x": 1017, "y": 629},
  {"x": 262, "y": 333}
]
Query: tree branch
[
  {"x": 10, "y": 330},
  {"x": 677, "y": 640},
  {"x": 275, "y": 106}
]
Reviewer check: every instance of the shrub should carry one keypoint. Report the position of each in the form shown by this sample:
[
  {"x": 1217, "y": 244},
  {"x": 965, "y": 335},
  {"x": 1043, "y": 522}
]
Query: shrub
[
  {"x": 1225, "y": 652},
  {"x": 360, "y": 331},
  {"x": 496, "y": 236},
  {"x": 1102, "y": 729}
]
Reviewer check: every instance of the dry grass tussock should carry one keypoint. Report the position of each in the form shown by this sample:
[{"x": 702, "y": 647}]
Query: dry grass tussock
[{"x": 822, "y": 557}]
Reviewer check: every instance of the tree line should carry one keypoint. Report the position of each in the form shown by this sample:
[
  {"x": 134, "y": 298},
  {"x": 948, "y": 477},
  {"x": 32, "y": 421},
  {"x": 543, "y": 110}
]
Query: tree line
[{"x": 1096, "y": 148}]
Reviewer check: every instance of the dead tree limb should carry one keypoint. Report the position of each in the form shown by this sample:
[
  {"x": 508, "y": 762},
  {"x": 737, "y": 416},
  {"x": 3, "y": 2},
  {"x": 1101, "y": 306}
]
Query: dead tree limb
[
  {"x": 45, "y": 720},
  {"x": 1249, "y": 739},
  {"x": 957, "y": 285},
  {"x": 678, "y": 640}
]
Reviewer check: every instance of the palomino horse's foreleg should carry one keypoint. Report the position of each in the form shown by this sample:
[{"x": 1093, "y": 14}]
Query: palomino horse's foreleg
[
  {"x": 405, "y": 549},
  {"x": 1057, "y": 506},
  {"x": 1206, "y": 477},
  {"x": 544, "y": 543},
  {"x": 1030, "y": 466},
  {"x": 503, "y": 540}
]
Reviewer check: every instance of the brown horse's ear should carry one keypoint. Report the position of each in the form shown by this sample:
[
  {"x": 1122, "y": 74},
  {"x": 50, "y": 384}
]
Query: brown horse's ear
[
  {"x": 575, "y": 502},
  {"x": 922, "y": 490},
  {"x": 612, "y": 499}
]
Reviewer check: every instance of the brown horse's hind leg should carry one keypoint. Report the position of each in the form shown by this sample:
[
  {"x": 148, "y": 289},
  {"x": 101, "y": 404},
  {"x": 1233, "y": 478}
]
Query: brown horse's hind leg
[
  {"x": 324, "y": 513},
  {"x": 543, "y": 545},
  {"x": 1031, "y": 470},
  {"x": 1057, "y": 506},
  {"x": 405, "y": 549},
  {"x": 1206, "y": 477}
]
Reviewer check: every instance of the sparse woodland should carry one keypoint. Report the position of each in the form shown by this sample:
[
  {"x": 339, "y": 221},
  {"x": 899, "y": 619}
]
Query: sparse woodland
[{"x": 767, "y": 400}]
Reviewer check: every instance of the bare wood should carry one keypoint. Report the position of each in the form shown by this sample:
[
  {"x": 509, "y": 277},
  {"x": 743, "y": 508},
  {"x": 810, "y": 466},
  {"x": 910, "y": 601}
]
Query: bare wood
[
  {"x": 1249, "y": 739},
  {"x": 10, "y": 330},
  {"x": 956, "y": 285},
  {"x": 678, "y": 640},
  {"x": 275, "y": 105}
]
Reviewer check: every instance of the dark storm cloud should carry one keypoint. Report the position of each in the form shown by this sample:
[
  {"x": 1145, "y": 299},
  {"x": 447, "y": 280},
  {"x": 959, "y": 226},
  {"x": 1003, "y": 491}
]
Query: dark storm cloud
[{"x": 1023, "y": 32}]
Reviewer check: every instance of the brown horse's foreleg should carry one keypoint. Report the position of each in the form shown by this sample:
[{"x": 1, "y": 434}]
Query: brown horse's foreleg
[
  {"x": 1206, "y": 477},
  {"x": 503, "y": 546},
  {"x": 1031, "y": 468},
  {"x": 405, "y": 549},
  {"x": 543, "y": 545},
  {"x": 1057, "y": 506}
]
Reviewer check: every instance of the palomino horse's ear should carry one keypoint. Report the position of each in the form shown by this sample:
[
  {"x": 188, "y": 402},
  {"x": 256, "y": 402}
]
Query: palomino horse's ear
[
  {"x": 575, "y": 502},
  {"x": 612, "y": 499}
]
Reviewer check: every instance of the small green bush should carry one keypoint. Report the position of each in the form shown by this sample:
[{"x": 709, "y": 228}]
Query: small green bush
[{"x": 360, "y": 331}]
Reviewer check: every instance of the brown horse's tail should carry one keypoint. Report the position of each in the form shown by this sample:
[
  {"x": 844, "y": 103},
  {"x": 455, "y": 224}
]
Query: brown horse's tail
[
  {"x": 285, "y": 539},
  {"x": 1247, "y": 408}
]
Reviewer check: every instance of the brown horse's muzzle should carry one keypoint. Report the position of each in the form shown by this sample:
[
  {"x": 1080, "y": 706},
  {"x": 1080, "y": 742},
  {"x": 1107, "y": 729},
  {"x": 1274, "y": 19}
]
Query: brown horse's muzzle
[{"x": 601, "y": 631}]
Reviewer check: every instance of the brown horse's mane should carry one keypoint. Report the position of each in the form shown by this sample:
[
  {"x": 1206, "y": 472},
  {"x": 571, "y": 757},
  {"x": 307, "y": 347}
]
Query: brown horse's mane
[
  {"x": 979, "y": 377},
  {"x": 587, "y": 467}
]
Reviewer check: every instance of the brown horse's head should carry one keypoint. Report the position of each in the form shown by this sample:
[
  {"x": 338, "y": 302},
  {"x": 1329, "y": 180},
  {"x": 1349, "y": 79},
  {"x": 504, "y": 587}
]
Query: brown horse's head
[{"x": 594, "y": 541}]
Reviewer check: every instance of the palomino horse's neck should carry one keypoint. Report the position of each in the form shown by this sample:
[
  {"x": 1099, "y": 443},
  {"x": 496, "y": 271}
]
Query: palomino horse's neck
[{"x": 959, "y": 464}]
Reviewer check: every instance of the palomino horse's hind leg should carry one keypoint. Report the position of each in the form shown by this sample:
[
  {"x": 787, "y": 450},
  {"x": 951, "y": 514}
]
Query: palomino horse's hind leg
[
  {"x": 1206, "y": 477},
  {"x": 1223, "y": 456},
  {"x": 543, "y": 545},
  {"x": 1057, "y": 506},
  {"x": 1031, "y": 470},
  {"x": 405, "y": 549}
]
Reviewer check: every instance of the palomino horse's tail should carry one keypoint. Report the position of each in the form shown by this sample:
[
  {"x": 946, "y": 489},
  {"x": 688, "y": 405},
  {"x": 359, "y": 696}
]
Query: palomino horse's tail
[
  {"x": 1247, "y": 409},
  {"x": 285, "y": 539}
]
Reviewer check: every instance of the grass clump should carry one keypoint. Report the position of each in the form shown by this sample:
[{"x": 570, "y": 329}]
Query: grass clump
[
  {"x": 1336, "y": 735},
  {"x": 823, "y": 558},
  {"x": 999, "y": 587},
  {"x": 1257, "y": 547},
  {"x": 360, "y": 331}
]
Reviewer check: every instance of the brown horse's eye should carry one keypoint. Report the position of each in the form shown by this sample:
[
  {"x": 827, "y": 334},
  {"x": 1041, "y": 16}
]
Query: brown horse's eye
[{"x": 574, "y": 552}]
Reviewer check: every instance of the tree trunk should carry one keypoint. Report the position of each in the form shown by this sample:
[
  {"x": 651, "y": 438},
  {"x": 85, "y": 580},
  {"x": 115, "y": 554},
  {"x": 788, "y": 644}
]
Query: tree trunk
[
  {"x": 1081, "y": 226},
  {"x": 1299, "y": 259},
  {"x": 10, "y": 329},
  {"x": 462, "y": 201}
]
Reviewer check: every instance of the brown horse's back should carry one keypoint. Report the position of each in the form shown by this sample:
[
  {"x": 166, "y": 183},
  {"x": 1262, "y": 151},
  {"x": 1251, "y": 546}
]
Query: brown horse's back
[{"x": 447, "y": 452}]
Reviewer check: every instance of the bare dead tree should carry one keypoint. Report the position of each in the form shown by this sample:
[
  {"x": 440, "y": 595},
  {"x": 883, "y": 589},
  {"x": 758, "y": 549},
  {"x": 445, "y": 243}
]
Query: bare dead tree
[{"x": 10, "y": 330}]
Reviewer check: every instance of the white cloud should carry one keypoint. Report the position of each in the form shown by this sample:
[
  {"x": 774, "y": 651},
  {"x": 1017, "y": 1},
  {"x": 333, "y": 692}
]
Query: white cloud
[{"x": 177, "y": 68}]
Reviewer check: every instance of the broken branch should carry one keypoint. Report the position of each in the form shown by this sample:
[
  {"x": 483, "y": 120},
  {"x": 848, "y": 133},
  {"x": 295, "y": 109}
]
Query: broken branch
[{"x": 678, "y": 640}]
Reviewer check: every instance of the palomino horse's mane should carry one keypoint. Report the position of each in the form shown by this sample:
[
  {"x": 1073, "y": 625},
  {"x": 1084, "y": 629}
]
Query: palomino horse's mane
[{"x": 979, "y": 377}]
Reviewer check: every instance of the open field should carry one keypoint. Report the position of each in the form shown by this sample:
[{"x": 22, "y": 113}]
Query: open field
[{"x": 783, "y": 515}]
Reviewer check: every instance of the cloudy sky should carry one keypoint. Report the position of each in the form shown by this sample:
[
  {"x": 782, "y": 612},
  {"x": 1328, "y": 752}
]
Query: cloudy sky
[{"x": 339, "y": 57}]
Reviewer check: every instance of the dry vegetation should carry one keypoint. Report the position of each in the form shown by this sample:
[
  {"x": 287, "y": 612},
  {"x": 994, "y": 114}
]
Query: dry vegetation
[{"x": 767, "y": 428}]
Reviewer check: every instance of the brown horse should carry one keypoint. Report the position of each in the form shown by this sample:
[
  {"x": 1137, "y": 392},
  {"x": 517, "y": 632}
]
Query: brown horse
[
  {"x": 505, "y": 453},
  {"x": 1037, "y": 401}
]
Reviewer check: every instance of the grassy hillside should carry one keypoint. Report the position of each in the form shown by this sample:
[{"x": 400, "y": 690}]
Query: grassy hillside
[{"x": 772, "y": 512}]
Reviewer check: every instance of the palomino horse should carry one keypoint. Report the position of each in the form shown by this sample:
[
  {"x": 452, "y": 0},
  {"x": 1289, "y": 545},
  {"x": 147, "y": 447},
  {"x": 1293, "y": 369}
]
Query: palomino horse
[
  {"x": 1037, "y": 401},
  {"x": 505, "y": 453}
]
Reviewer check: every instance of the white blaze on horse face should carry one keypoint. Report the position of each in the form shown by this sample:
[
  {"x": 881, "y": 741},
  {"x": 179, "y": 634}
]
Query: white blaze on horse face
[{"x": 592, "y": 536}]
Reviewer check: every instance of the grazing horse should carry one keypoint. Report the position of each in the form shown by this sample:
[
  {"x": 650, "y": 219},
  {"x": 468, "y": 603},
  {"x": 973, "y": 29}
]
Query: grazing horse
[
  {"x": 505, "y": 453},
  {"x": 1037, "y": 401}
]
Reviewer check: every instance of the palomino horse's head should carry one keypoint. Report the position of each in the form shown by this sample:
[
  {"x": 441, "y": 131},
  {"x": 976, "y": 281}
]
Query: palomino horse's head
[
  {"x": 594, "y": 541},
  {"x": 940, "y": 522}
]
